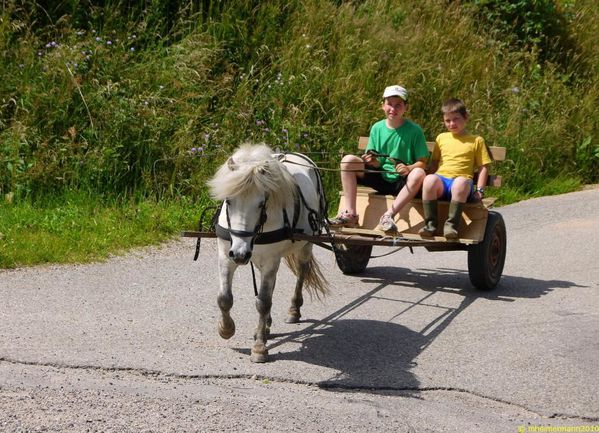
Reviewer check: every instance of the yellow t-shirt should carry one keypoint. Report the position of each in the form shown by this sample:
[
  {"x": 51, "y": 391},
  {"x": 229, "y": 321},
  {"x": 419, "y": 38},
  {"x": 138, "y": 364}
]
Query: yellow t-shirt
[{"x": 459, "y": 155}]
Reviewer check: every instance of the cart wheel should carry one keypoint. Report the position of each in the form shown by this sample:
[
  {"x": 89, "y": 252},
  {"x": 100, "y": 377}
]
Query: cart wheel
[
  {"x": 486, "y": 259},
  {"x": 352, "y": 259}
]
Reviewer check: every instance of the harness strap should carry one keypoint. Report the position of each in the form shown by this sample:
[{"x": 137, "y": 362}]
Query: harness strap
[
  {"x": 263, "y": 238},
  {"x": 254, "y": 279}
]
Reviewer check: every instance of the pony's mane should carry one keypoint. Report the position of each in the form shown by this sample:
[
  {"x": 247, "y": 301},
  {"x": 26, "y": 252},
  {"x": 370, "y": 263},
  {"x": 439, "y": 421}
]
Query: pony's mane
[{"x": 253, "y": 170}]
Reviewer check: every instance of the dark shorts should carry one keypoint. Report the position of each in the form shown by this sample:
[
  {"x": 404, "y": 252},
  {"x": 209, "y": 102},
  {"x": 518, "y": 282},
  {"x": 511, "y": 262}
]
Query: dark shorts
[{"x": 376, "y": 181}]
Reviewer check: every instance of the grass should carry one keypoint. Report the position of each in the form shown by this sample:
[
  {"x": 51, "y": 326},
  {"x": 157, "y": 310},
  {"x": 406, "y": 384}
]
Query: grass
[{"x": 81, "y": 229}]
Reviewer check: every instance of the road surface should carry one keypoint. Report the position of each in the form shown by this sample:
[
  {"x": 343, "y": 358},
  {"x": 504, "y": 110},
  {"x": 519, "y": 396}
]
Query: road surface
[{"x": 130, "y": 345}]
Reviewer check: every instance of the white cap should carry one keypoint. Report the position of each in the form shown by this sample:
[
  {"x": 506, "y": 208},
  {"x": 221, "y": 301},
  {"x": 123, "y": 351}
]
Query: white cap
[{"x": 396, "y": 91}]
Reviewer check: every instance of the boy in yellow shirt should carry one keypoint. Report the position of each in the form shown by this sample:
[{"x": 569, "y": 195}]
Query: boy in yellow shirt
[{"x": 455, "y": 156}]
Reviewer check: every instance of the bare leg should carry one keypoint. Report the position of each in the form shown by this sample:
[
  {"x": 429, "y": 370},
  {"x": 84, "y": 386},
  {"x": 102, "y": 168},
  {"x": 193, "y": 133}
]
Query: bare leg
[
  {"x": 460, "y": 189},
  {"x": 407, "y": 193},
  {"x": 432, "y": 188},
  {"x": 352, "y": 168}
]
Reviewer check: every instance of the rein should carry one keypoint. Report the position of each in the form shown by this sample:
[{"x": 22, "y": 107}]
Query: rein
[{"x": 340, "y": 170}]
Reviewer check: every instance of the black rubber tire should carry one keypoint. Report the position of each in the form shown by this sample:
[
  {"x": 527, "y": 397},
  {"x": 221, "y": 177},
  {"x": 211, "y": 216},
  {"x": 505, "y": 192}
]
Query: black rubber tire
[
  {"x": 486, "y": 259},
  {"x": 352, "y": 259}
]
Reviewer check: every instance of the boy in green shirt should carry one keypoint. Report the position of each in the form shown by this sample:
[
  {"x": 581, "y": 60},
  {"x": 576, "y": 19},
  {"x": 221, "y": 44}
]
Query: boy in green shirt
[
  {"x": 393, "y": 164},
  {"x": 455, "y": 156}
]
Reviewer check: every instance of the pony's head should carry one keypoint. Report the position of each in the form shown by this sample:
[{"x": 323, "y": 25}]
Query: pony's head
[
  {"x": 252, "y": 171},
  {"x": 252, "y": 184}
]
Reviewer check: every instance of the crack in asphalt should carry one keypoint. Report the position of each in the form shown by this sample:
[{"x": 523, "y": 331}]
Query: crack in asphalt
[{"x": 157, "y": 374}]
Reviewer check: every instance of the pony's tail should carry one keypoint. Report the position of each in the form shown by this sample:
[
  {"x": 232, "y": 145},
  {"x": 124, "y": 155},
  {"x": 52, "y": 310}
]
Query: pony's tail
[{"x": 314, "y": 281}]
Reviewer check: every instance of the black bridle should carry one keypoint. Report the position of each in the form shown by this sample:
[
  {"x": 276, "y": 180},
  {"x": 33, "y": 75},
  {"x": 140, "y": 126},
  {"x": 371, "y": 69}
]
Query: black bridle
[
  {"x": 257, "y": 235},
  {"x": 258, "y": 229}
]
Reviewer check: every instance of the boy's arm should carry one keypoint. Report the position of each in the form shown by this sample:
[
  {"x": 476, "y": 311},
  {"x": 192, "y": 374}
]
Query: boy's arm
[
  {"x": 370, "y": 158},
  {"x": 483, "y": 175},
  {"x": 433, "y": 166},
  {"x": 405, "y": 169},
  {"x": 433, "y": 163}
]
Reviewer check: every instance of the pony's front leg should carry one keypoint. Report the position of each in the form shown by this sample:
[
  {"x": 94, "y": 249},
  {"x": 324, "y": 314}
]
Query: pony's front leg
[
  {"x": 226, "y": 325},
  {"x": 263, "y": 305}
]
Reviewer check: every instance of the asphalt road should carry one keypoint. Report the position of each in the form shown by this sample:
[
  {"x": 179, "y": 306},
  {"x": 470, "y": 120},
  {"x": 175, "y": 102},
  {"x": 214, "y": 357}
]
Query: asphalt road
[{"x": 130, "y": 345}]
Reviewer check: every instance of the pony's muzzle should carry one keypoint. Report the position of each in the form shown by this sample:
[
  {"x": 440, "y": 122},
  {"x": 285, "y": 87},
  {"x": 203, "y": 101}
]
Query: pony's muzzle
[{"x": 240, "y": 258}]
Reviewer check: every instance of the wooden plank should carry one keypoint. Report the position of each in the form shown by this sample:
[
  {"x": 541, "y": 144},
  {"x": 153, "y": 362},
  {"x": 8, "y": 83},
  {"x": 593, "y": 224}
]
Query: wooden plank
[
  {"x": 497, "y": 153},
  {"x": 362, "y": 143},
  {"x": 400, "y": 239},
  {"x": 357, "y": 237},
  {"x": 410, "y": 219}
]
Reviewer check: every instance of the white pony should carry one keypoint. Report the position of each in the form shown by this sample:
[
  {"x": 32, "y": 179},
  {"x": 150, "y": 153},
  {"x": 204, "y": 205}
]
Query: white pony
[{"x": 266, "y": 198}]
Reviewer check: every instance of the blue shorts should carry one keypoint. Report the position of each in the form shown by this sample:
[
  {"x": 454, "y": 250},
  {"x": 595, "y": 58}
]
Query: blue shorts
[{"x": 447, "y": 182}]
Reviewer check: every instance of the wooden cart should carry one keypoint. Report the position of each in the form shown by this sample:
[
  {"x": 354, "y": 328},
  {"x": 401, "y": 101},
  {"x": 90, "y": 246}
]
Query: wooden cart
[{"x": 482, "y": 232}]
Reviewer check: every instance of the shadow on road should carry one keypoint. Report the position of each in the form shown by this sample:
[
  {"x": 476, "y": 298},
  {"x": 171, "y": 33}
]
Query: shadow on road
[
  {"x": 379, "y": 355},
  {"x": 457, "y": 281},
  {"x": 367, "y": 353}
]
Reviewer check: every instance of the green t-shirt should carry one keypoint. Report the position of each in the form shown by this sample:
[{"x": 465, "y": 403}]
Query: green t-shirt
[{"x": 406, "y": 143}]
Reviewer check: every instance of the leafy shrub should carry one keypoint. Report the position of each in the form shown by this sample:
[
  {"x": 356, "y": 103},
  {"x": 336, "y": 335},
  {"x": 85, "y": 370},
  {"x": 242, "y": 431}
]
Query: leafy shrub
[{"x": 540, "y": 26}]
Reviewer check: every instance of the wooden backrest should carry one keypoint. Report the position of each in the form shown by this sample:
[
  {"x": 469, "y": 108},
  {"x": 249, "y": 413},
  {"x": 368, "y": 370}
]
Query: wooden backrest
[{"x": 497, "y": 153}]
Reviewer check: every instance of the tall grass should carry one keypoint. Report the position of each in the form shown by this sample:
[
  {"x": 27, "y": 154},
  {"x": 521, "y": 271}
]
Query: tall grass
[{"x": 118, "y": 101}]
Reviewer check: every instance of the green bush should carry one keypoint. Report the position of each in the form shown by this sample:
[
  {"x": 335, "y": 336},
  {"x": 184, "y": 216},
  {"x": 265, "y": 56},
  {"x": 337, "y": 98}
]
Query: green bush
[{"x": 539, "y": 25}]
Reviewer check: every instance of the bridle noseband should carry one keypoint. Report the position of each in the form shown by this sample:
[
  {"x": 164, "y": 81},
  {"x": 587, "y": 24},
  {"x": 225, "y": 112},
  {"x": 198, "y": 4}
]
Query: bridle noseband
[{"x": 258, "y": 229}]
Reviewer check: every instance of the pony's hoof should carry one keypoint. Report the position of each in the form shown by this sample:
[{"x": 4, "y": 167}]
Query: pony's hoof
[
  {"x": 293, "y": 318},
  {"x": 226, "y": 330},
  {"x": 259, "y": 353},
  {"x": 259, "y": 357}
]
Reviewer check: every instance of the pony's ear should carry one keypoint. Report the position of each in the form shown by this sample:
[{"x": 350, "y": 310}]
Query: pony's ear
[
  {"x": 231, "y": 164},
  {"x": 262, "y": 168}
]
